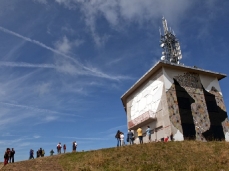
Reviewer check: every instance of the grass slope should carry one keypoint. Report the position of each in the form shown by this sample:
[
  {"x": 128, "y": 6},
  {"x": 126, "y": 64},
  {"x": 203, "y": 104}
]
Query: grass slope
[{"x": 177, "y": 156}]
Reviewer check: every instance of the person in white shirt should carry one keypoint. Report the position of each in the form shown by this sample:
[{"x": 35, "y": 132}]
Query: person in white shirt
[
  {"x": 122, "y": 139},
  {"x": 58, "y": 148}
]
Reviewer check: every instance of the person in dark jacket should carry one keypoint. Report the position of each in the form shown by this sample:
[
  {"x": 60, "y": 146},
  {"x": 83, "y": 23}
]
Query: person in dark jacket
[
  {"x": 12, "y": 155},
  {"x": 130, "y": 137},
  {"x": 117, "y": 136}
]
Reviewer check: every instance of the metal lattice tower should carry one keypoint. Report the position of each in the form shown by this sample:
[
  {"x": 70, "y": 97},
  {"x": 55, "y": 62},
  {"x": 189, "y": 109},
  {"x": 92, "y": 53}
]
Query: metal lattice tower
[{"x": 170, "y": 45}]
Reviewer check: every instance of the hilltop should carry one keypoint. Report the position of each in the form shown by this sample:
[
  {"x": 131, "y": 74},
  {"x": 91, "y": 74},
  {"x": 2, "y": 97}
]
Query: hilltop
[{"x": 177, "y": 156}]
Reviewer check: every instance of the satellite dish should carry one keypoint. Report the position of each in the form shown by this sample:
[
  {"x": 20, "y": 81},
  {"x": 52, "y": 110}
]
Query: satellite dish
[
  {"x": 180, "y": 57},
  {"x": 163, "y": 53},
  {"x": 163, "y": 58},
  {"x": 162, "y": 45}
]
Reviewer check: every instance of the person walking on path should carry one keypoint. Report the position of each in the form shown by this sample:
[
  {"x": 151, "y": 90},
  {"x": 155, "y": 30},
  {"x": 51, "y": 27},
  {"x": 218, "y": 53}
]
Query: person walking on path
[
  {"x": 58, "y": 148},
  {"x": 51, "y": 152},
  {"x": 130, "y": 137},
  {"x": 12, "y": 155},
  {"x": 148, "y": 133},
  {"x": 64, "y": 147},
  {"x": 117, "y": 136},
  {"x": 139, "y": 131},
  {"x": 74, "y": 146}
]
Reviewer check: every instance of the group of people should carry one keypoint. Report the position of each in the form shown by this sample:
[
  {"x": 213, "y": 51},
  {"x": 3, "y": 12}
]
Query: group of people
[
  {"x": 130, "y": 136},
  {"x": 9, "y": 156},
  {"x": 40, "y": 153},
  {"x": 59, "y": 147}
]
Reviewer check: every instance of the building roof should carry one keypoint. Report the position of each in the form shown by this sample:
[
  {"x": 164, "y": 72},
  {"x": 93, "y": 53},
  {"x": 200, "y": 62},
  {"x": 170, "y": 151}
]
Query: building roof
[{"x": 166, "y": 64}]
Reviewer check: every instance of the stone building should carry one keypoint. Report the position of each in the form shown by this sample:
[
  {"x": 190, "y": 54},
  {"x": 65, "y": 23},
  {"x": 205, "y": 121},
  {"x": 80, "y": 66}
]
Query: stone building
[{"x": 177, "y": 101}]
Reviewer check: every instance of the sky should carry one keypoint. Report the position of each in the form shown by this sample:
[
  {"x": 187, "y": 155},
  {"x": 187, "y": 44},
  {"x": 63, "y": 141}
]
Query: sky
[{"x": 65, "y": 64}]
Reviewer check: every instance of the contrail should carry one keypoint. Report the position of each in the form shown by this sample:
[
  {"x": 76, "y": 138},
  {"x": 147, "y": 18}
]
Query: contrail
[
  {"x": 37, "y": 109},
  {"x": 27, "y": 65},
  {"x": 92, "y": 71},
  {"x": 39, "y": 44}
]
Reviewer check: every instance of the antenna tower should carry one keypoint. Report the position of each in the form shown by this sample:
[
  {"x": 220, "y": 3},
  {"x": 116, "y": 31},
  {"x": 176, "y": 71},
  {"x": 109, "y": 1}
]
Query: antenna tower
[{"x": 170, "y": 45}]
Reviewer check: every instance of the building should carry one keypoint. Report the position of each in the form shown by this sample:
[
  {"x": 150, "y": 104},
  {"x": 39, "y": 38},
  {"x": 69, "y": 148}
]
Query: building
[{"x": 177, "y": 101}]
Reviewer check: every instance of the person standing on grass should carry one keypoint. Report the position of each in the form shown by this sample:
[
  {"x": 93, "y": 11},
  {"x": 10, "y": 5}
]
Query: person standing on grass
[
  {"x": 43, "y": 153},
  {"x": 51, "y": 152},
  {"x": 122, "y": 139},
  {"x": 9, "y": 154},
  {"x": 64, "y": 147},
  {"x": 6, "y": 157},
  {"x": 74, "y": 146},
  {"x": 38, "y": 154},
  {"x": 148, "y": 133},
  {"x": 139, "y": 131},
  {"x": 130, "y": 136},
  {"x": 117, "y": 136},
  {"x": 12, "y": 155},
  {"x": 58, "y": 148},
  {"x": 31, "y": 154}
]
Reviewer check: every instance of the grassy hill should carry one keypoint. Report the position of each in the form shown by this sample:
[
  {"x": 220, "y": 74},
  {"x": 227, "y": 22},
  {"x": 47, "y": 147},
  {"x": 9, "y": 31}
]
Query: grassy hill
[{"x": 177, "y": 156}]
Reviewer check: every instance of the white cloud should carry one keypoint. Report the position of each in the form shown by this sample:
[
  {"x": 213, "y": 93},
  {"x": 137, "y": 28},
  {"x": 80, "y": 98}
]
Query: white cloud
[
  {"x": 63, "y": 45},
  {"x": 43, "y": 88},
  {"x": 36, "y": 136},
  {"x": 120, "y": 13},
  {"x": 50, "y": 118}
]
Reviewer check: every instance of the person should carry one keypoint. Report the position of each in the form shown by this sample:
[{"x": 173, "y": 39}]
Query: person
[
  {"x": 166, "y": 139},
  {"x": 122, "y": 139},
  {"x": 43, "y": 153},
  {"x": 38, "y": 153},
  {"x": 64, "y": 147},
  {"x": 9, "y": 154},
  {"x": 117, "y": 136},
  {"x": 31, "y": 154},
  {"x": 51, "y": 152},
  {"x": 6, "y": 157},
  {"x": 74, "y": 146},
  {"x": 139, "y": 131},
  {"x": 130, "y": 137},
  {"x": 148, "y": 133},
  {"x": 12, "y": 155},
  {"x": 58, "y": 148}
]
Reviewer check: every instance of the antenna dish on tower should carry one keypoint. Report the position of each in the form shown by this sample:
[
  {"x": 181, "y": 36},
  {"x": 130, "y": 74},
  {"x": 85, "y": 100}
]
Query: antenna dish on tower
[{"x": 170, "y": 45}]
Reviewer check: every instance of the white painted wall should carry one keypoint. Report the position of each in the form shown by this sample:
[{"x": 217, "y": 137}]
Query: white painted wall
[{"x": 146, "y": 99}]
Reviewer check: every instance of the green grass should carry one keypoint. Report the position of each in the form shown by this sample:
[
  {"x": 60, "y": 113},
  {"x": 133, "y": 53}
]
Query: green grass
[
  {"x": 177, "y": 156},
  {"x": 171, "y": 156}
]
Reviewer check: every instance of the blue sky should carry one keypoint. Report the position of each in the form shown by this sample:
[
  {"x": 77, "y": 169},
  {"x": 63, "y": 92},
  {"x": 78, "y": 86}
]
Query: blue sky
[{"x": 65, "y": 64}]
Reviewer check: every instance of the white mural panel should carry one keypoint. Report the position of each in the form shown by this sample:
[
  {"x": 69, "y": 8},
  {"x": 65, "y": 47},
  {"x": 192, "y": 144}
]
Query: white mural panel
[{"x": 147, "y": 99}]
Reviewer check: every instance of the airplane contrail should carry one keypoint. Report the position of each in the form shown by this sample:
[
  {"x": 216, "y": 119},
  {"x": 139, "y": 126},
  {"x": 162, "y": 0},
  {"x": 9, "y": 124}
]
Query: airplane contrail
[
  {"x": 27, "y": 65},
  {"x": 39, "y": 44},
  {"x": 92, "y": 71}
]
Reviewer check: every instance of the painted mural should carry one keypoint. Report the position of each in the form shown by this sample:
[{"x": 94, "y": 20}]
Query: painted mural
[{"x": 194, "y": 112}]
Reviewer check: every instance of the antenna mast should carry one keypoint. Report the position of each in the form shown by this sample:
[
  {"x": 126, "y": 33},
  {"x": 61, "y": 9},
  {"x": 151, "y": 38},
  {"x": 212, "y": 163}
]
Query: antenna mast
[{"x": 170, "y": 45}]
